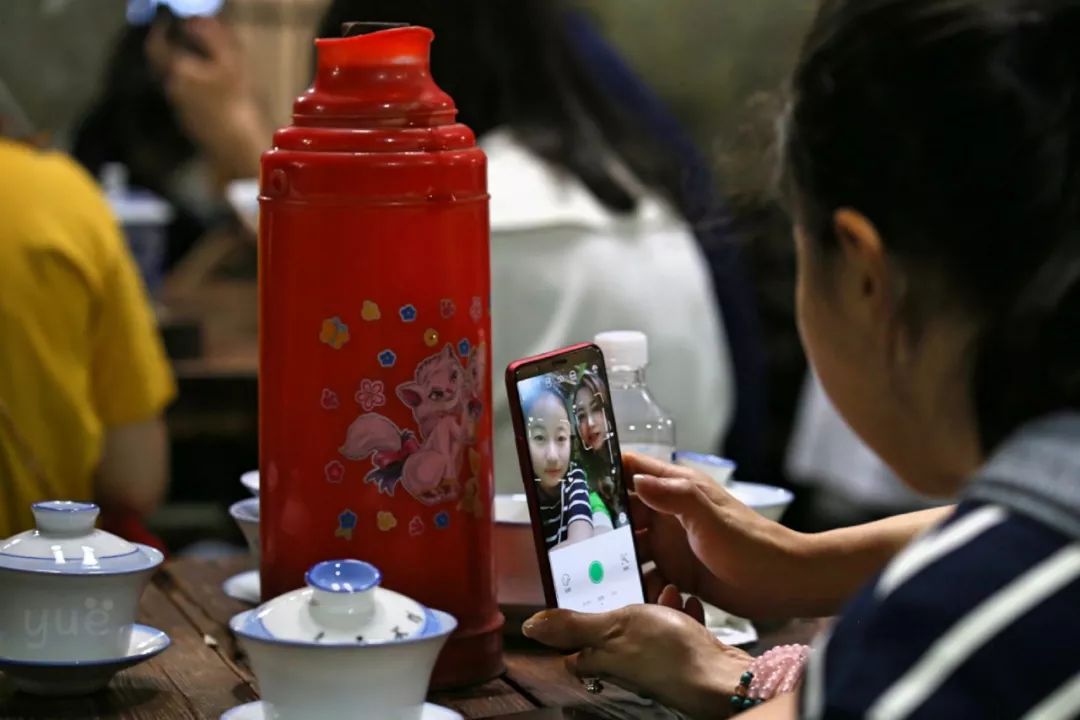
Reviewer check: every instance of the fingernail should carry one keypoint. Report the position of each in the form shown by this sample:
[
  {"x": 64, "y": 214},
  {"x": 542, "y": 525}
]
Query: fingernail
[
  {"x": 531, "y": 625},
  {"x": 639, "y": 476}
]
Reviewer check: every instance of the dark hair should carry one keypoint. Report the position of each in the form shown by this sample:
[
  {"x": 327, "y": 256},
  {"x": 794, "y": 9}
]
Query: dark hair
[
  {"x": 511, "y": 65},
  {"x": 591, "y": 381},
  {"x": 954, "y": 126},
  {"x": 131, "y": 120},
  {"x": 534, "y": 389}
]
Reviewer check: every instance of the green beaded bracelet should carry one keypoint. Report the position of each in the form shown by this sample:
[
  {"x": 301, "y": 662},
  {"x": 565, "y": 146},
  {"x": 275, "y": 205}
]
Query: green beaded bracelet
[{"x": 741, "y": 700}]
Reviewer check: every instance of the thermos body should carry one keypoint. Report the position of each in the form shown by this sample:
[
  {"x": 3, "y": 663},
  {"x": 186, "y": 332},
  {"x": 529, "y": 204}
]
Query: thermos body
[{"x": 374, "y": 375}]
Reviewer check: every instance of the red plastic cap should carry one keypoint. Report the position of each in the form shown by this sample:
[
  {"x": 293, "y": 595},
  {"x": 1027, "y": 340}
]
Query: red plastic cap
[{"x": 375, "y": 80}]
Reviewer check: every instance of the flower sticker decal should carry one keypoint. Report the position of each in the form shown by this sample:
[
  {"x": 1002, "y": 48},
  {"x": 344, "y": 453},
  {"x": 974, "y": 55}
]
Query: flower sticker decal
[
  {"x": 431, "y": 337},
  {"x": 334, "y": 332},
  {"x": 407, "y": 313},
  {"x": 416, "y": 526},
  {"x": 387, "y": 358},
  {"x": 463, "y": 347},
  {"x": 329, "y": 399},
  {"x": 371, "y": 394},
  {"x": 470, "y": 498},
  {"x": 386, "y": 521},
  {"x": 346, "y": 525},
  {"x": 334, "y": 472},
  {"x": 369, "y": 311},
  {"x": 442, "y": 520},
  {"x": 447, "y": 308},
  {"x": 476, "y": 309}
]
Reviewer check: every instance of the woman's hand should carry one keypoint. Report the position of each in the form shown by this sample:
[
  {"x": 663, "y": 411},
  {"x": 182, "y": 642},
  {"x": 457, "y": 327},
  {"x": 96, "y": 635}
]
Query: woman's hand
[
  {"x": 212, "y": 96},
  {"x": 649, "y": 649},
  {"x": 709, "y": 544}
]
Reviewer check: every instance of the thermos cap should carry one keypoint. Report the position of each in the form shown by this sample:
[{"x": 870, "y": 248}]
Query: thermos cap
[{"x": 354, "y": 28}]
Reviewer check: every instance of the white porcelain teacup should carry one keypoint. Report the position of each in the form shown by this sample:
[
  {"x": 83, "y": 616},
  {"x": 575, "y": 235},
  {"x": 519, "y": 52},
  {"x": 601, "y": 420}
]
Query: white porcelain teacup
[
  {"x": 246, "y": 514},
  {"x": 343, "y": 647},
  {"x": 250, "y": 480},
  {"x": 70, "y": 592}
]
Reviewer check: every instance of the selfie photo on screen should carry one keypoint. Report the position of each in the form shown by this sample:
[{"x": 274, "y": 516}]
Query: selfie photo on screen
[{"x": 570, "y": 453}]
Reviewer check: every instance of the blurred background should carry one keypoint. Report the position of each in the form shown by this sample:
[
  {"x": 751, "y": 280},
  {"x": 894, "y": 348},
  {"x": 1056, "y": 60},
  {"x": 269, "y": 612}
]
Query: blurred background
[
  {"x": 706, "y": 59},
  {"x": 67, "y": 65}
]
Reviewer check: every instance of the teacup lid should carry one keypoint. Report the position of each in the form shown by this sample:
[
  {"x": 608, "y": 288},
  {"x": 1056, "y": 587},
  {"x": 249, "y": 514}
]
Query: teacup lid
[
  {"x": 65, "y": 542},
  {"x": 341, "y": 605}
]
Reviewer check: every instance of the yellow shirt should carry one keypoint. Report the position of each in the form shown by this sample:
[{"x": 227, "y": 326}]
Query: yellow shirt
[{"x": 79, "y": 347}]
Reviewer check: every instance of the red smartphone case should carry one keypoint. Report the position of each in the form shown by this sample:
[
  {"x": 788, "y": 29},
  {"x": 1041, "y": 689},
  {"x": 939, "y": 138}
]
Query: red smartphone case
[{"x": 525, "y": 462}]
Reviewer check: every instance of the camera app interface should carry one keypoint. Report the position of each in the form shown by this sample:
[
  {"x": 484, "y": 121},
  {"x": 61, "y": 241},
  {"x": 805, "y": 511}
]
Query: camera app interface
[{"x": 579, "y": 485}]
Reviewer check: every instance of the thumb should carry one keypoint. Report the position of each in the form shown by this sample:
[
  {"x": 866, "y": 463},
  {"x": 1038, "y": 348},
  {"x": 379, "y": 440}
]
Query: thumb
[
  {"x": 568, "y": 630},
  {"x": 674, "y": 496}
]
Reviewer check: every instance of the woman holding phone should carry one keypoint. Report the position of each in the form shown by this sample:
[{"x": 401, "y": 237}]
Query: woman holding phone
[{"x": 932, "y": 163}]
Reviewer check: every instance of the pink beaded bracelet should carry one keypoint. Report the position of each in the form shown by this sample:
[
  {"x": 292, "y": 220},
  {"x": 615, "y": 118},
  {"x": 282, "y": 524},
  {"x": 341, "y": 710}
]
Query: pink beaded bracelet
[{"x": 778, "y": 671}]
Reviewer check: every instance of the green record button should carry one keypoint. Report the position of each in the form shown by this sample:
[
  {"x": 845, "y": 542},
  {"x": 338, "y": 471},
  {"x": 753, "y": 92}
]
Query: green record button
[{"x": 596, "y": 572}]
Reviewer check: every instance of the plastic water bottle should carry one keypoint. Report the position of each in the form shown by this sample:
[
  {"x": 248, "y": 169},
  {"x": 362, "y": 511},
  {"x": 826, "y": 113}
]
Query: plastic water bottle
[{"x": 643, "y": 425}]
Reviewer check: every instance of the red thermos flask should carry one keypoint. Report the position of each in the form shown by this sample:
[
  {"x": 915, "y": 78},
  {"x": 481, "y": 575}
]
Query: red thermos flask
[{"x": 374, "y": 341}]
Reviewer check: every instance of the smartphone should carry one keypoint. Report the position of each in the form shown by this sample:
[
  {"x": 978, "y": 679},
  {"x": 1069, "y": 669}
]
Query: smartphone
[{"x": 572, "y": 471}]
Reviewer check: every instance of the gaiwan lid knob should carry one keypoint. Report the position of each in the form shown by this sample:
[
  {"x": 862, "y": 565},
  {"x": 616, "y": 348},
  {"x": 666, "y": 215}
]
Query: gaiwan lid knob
[{"x": 343, "y": 592}]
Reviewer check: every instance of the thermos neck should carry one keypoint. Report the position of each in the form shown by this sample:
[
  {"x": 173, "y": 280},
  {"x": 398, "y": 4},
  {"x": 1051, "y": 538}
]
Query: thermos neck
[
  {"x": 374, "y": 128},
  {"x": 374, "y": 80}
]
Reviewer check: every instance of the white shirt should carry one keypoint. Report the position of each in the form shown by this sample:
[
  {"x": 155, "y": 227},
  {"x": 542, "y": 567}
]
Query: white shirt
[
  {"x": 564, "y": 267},
  {"x": 825, "y": 452}
]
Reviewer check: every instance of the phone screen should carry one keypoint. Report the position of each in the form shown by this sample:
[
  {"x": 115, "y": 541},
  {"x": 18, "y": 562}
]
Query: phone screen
[
  {"x": 142, "y": 12},
  {"x": 584, "y": 514}
]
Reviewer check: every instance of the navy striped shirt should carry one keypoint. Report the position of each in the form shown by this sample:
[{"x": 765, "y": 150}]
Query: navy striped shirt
[
  {"x": 571, "y": 504},
  {"x": 979, "y": 618}
]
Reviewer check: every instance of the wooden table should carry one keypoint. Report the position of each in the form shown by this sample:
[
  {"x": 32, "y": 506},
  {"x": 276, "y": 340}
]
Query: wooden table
[{"x": 201, "y": 675}]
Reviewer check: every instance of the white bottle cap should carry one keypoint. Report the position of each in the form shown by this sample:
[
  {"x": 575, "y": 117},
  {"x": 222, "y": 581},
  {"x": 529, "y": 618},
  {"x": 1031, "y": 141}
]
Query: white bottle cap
[
  {"x": 131, "y": 207},
  {"x": 624, "y": 348},
  {"x": 114, "y": 178}
]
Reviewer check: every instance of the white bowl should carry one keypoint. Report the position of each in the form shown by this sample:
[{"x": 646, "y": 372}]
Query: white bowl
[
  {"x": 331, "y": 649},
  {"x": 70, "y": 592},
  {"x": 769, "y": 500},
  {"x": 718, "y": 468},
  {"x": 243, "y": 198},
  {"x": 516, "y": 571},
  {"x": 246, "y": 514},
  {"x": 250, "y": 480}
]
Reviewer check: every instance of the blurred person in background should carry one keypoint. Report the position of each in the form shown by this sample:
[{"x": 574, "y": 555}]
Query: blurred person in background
[
  {"x": 589, "y": 217},
  {"x": 938, "y": 295},
  {"x": 83, "y": 375},
  {"x": 843, "y": 482},
  {"x": 147, "y": 116}
]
